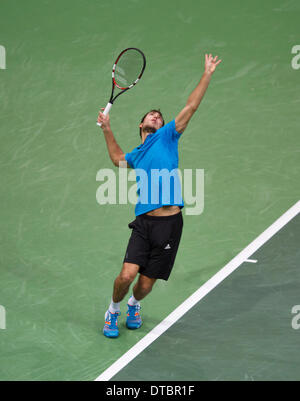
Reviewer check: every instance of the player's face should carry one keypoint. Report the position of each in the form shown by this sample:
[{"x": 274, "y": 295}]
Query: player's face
[{"x": 153, "y": 120}]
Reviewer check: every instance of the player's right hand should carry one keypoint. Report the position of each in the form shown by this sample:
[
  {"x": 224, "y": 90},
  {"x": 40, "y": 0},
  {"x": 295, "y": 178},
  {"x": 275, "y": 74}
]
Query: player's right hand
[{"x": 104, "y": 120}]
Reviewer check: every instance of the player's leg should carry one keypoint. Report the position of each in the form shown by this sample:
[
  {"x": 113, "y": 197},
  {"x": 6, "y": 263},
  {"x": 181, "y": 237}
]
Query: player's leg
[
  {"x": 121, "y": 287},
  {"x": 141, "y": 289},
  {"x": 124, "y": 280},
  {"x": 136, "y": 255}
]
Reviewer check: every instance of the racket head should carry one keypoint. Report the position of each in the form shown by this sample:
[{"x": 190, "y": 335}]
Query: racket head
[{"x": 128, "y": 68}]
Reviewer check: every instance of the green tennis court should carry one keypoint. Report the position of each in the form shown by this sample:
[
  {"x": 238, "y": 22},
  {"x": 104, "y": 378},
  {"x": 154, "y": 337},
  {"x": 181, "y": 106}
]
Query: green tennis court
[
  {"x": 242, "y": 330},
  {"x": 60, "y": 250}
]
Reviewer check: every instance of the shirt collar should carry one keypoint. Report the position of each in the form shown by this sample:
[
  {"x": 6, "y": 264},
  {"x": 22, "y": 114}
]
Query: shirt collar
[{"x": 145, "y": 140}]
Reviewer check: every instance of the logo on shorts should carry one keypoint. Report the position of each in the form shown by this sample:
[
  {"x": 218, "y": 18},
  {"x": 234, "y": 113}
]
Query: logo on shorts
[{"x": 168, "y": 246}]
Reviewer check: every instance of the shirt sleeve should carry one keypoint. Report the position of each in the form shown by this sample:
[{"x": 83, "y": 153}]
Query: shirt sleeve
[
  {"x": 170, "y": 131},
  {"x": 128, "y": 158}
]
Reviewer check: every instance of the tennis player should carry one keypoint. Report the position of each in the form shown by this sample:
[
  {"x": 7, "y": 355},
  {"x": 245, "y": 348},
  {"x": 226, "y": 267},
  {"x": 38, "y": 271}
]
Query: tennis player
[{"x": 157, "y": 229}]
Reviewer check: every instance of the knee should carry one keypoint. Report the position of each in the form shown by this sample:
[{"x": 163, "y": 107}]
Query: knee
[{"x": 126, "y": 278}]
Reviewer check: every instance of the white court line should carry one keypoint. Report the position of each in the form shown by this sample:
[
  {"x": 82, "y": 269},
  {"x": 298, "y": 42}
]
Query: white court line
[
  {"x": 199, "y": 294},
  {"x": 251, "y": 260}
]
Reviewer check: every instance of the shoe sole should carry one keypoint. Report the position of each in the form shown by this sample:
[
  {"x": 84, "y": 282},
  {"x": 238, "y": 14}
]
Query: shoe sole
[
  {"x": 109, "y": 335},
  {"x": 133, "y": 328}
]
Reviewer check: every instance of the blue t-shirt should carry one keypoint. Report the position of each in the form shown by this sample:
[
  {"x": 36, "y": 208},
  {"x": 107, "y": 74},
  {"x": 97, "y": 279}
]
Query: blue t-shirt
[{"x": 156, "y": 166}]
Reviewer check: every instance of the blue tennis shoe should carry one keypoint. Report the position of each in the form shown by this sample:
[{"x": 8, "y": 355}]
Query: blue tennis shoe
[
  {"x": 134, "y": 320},
  {"x": 111, "y": 329}
]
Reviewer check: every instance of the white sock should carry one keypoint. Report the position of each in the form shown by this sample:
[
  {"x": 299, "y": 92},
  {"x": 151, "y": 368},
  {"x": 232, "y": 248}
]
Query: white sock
[
  {"x": 114, "y": 307},
  {"x": 132, "y": 301}
]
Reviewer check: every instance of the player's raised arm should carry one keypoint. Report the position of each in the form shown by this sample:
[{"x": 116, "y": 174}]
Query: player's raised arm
[
  {"x": 183, "y": 118},
  {"x": 115, "y": 152}
]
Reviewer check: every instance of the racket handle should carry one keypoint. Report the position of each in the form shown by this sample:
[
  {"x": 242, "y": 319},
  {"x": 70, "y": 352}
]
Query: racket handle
[{"x": 106, "y": 111}]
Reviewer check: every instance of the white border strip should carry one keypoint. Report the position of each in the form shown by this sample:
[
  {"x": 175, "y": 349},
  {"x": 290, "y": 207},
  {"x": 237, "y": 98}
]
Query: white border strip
[{"x": 199, "y": 294}]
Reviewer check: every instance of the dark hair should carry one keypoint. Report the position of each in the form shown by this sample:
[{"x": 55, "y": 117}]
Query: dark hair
[{"x": 152, "y": 111}]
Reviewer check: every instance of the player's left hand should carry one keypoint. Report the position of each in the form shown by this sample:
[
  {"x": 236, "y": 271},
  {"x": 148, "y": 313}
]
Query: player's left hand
[{"x": 211, "y": 63}]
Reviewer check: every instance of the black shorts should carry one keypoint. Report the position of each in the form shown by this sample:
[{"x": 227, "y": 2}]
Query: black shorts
[{"x": 154, "y": 243}]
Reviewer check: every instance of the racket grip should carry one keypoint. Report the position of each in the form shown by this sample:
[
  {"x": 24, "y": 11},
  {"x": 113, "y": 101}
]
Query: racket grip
[{"x": 106, "y": 111}]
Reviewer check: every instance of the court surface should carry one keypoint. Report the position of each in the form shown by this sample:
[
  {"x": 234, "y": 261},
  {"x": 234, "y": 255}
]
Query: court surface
[
  {"x": 60, "y": 250},
  {"x": 242, "y": 330}
]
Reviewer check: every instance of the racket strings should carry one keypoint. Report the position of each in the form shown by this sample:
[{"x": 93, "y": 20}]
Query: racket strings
[{"x": 128, "y": 68}]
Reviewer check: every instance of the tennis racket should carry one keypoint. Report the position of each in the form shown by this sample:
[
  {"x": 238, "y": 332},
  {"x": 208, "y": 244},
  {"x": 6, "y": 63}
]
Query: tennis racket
[{"x": 126, "y": 72}]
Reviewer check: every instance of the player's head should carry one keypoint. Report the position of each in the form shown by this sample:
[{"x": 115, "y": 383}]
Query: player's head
[{"x": 151, "y": 121}]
